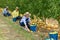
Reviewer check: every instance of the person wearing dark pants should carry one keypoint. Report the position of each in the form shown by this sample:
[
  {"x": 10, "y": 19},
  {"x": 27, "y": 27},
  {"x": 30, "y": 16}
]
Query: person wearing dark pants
[
  {"x": 16, "y": 18},
  {"x": 15, "y": 15},
  {"x": 6, "y": 12},
  {"x": 25, "y": 21}
]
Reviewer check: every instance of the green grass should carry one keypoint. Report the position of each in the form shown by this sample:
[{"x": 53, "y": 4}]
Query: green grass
[{"x": 18, "y": 29}]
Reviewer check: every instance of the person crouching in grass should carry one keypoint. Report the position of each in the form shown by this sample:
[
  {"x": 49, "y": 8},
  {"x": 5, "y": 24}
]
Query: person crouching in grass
[
  {"x": 25, "y": 21},
  {"x": 6, "y": 12},
  {"x": 15, "y": 14}
]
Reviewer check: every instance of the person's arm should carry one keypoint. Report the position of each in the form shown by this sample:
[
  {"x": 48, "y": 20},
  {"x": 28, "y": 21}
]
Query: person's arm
[
  {"x": 25, "y": 23},
  {"x": 26, "y": 26}
]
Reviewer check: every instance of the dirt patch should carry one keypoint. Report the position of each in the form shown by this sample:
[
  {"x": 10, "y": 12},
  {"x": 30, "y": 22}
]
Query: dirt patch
[{"x": 7, "y": 33}]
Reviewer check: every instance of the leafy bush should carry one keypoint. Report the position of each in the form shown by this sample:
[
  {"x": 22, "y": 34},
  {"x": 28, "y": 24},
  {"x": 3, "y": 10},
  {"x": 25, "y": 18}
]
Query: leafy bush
[{"x": 46, "y": 8}]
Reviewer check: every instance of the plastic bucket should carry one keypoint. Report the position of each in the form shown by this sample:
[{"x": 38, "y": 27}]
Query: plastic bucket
[
  {"x": 33, "y": 28},
  {"x": 53, "y": 35},
  {"x": 49, "y": 39}
]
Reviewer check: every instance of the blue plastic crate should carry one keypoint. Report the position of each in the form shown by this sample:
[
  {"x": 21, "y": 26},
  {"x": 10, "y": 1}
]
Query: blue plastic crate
[
  {"x": 54, "y": 36},
  {"x": 33, "y": 28}
]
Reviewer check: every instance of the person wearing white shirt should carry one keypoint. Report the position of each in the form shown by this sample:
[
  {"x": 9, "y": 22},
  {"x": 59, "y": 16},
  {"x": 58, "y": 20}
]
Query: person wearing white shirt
[
  {"x": 6, "y": 12},
  {"x": 25, "y": 21}
]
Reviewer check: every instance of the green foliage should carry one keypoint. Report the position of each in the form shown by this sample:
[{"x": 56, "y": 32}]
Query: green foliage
[{"x": 46, "y": 8}]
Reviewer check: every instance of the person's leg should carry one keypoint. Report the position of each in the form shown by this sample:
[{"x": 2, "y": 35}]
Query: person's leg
[
  {"x": 14, "y": 19},
  {"x": 19, "y": 18},
  {"x": 22, "y": 24},
  {"x": 5, "y": 15},
  {"x": 8, "y": 14}
]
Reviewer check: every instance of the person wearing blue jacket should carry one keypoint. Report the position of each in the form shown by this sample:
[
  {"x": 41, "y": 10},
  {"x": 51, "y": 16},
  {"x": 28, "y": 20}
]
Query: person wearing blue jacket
[{"x": 25, "y": 21}]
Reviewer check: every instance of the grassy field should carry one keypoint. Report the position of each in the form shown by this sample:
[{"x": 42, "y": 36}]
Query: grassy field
[
  {"x": 17, "y": 30},
  {"x": 40, "y": 8}
]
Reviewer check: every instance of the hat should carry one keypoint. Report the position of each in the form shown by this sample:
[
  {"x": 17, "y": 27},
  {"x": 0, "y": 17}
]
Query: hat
[
  {"x": 17, "y": 7},
  {"x": 27, "y": 13}
]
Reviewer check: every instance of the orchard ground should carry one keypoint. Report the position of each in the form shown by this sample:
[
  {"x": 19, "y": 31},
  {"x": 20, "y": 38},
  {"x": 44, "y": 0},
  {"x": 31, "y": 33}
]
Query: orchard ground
[{"x": 12, "y": 31}]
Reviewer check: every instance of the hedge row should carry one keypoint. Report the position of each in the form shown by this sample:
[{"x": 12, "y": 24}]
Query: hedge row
[{"x": 46, "y": 8}]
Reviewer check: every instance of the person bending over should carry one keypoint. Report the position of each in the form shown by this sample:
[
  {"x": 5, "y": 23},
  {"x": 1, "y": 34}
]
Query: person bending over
[
  {"x": 6, "y": 12},
  {"x": 25, "y": 21},
  {"x": 15, "y": 14}
]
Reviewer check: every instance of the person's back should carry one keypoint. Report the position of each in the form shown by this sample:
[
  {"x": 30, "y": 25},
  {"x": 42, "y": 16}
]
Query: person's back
[
  {"x": 24, "y": 19},
  {"x": 6, "y": 12},
  {"x": 15, "y": 13}
]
